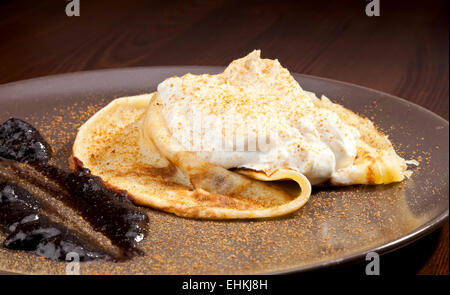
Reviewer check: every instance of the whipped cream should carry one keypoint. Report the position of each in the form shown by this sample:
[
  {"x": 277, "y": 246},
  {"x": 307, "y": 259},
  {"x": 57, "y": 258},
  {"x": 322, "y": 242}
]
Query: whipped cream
[{"x": 255, "y": 115}]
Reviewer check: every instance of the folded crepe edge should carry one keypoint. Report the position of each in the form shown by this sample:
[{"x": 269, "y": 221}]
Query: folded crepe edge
[{"x": 156, "y": 130}]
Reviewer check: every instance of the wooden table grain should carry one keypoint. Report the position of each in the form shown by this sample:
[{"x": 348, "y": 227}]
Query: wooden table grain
[{"x": 404, "y": 52}]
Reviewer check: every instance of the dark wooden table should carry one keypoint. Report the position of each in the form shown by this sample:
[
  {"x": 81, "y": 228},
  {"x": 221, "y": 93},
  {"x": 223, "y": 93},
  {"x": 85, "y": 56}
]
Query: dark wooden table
[{"x": 404, "y": 51}]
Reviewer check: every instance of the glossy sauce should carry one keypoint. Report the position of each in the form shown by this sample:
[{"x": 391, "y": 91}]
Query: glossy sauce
[
  {"x": 109, "y": 212},
  {"x": 29, "y": 230}
]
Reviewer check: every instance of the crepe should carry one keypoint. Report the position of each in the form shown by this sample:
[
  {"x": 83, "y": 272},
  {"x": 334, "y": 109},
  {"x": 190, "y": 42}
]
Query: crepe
[
  {"x": 113, "y": 146},
  {"x": 376, "y": 161},
  {"x": 216, "y": 146}
]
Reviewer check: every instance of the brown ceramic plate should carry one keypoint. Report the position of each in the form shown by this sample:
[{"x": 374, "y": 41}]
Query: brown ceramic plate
[{"x": 337, "y": 225}]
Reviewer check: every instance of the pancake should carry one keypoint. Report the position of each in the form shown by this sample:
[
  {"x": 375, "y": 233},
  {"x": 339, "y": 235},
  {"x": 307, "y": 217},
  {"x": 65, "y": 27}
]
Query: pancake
[
  {"x": 255, "y": 116},
  {"x": 376, "y": 161},
  {"x": 111, "y": 145},
  {"x": 216, "y": 146}
]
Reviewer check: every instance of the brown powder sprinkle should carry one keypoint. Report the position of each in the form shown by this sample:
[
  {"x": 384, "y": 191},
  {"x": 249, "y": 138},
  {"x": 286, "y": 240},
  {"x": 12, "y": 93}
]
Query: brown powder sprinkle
[{"x": 335, "y": 222}]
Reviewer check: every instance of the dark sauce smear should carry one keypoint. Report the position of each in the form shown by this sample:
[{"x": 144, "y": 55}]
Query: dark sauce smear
[
  {"x": 19, "y": 141},
  {"x": 108, "y": 211},
  {"x": 30, "y": 231}
]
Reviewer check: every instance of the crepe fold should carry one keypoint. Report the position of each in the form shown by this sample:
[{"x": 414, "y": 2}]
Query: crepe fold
[{"x": 129, "y": 146}]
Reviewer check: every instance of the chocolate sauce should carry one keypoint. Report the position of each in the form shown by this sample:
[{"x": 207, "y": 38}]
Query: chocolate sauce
[
  {"x": 30, "y": 231},
  {"x": 109, "y": 212},
  {"x": 16, "y": 204},
  {"x": 19, "y": 141}
]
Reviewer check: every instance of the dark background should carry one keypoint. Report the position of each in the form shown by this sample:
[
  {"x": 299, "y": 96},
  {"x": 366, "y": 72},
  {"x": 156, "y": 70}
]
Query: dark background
[{"x": 403, "y": 52}]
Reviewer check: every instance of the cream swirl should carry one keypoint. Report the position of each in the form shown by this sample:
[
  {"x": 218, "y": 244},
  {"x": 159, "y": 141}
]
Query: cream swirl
[{"x": 255, "y": 115}]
